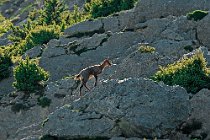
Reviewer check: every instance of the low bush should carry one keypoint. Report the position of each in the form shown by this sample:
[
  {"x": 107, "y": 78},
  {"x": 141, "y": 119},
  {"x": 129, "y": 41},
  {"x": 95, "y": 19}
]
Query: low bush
[
  {"x": 197, "y": 15},
  {"x": 103, "y": 8},
  {"x": 43, "y": 34},
  {"x": 5, "y": 63},
  {"x": 44, "y": 101},
  {"x": 190, "y": 73},
  {"x": 5, "y": 25},
  {"x": 28, "y": 76},
  {"x": 37, "y": 36}
]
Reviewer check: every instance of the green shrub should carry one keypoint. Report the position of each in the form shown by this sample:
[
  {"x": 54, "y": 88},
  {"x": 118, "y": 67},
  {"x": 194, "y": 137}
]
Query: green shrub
[
  {"x": 74, "y": 17},
  {"x": 18, "y": 34},
  {"x": 103, "y": 8},
  {"x": 28, "y": 76},
  {"x": 5, "y": 63},
  {"x": 52, "y": 12},
  {"x": 146, "y": 49},
  {"x": 5, "y": 25},
  {"x": 44, "y": 101},
  {"x": 190, "y": 73},
  {"x": 197, "y": 15},
  {"x": 43, "y": 34}
]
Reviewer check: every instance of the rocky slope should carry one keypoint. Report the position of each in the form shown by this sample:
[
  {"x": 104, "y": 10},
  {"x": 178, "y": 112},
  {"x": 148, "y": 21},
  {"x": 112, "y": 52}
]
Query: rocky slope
[{"x": 125, "y": 103}]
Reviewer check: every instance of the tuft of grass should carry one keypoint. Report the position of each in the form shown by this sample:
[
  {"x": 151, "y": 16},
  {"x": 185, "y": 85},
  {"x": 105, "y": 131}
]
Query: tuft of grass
[
  {"x": 197, "y": 15},
  {"x": 146, "y": 49},
  {"x": 190, "y": 73}
]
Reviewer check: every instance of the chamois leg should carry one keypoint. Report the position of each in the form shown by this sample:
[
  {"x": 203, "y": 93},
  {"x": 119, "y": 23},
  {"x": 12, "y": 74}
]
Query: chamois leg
[
  {"x": 86, "y": 86},
  {"x": 96, "y": 80},
  {"x": 80, "y": 90}
]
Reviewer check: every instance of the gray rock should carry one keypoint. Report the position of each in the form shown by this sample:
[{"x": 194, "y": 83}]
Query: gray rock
[
  {"x": 129, "y": 107},
  {"x": 172, "y": 49},
  {"x": 137, "y": 64},
  {"x": 34, "y": 52},
  {"x": 123, "y": 138},
  {"x": 85, "y": 28},
  {"x": 111, "y": 23},
  {"x": 202, "y": 31},
  {"x": 147, "y": 9},
  {"x": 53, "y": 49},
  {"x": 170, "y": 28},
  {"x": 6, "y": 85},
  {"x": 59, "y": 63},
  {"x": 3, "y": 133},
  {"x": 122, "y": 21},
  {"x": 152, "y": 29},
  {"x": 200, "y": 104}
]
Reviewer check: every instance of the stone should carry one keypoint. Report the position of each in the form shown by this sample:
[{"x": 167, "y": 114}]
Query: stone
[
  {"x": 3, "y": 133},
  {"x": 203, "y": 33},
  {"x": 6, "y": 85},
  {"x": 148, "y": 9},
  {"x": 133, "y": 107},
  {"x": 200, "y": 104},
  {"x": 86, "y": 28},
  {"x": 53, "y": 56},
  {"x": 34, "y": 52}
]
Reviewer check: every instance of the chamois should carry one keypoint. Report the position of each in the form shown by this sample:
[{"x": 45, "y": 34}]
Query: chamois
[{"x": 89, "y": 72}]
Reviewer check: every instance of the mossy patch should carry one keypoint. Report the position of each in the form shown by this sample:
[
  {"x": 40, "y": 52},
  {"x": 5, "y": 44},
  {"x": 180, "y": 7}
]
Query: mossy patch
[{"x": 197, "y": 15}]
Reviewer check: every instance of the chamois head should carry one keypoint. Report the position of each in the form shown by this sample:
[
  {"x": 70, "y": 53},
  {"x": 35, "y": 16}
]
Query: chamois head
[{"x": 106, "y": 62}]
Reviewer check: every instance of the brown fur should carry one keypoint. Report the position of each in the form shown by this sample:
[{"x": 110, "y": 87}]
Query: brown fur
[{"x": 89, "y": 72}]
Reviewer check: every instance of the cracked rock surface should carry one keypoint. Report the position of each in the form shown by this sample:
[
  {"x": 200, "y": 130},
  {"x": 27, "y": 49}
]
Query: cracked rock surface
[{"x": 129, "y": 107}]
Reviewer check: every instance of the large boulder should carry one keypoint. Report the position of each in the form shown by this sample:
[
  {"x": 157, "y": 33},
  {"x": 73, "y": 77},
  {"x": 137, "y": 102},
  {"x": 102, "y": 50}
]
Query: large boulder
[
  {"x": 147, "y": 9},
  {"x": 170, "y": 28},
  {"x": 87, "y": 28},
  {"x": 6, "y": 85},
  {"x": 203, "y": 32},
  {"x": 131, "y": 107},
  {"x": 60, "y": 60},
  {"x": 198, "y": 124},
  {"x": 33, "y": 52}
]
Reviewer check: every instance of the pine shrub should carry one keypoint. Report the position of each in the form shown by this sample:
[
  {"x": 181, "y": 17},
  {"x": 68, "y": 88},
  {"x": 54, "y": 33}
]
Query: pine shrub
[
  {"x": 5, "y": 63},
  {"x": 103, "y": 8},
  {"x": 28, "y": 76},
  {"x": 52, "y": 12},
  {"x": 43, "y": 34},
  {"x": 190, "y": 73}
]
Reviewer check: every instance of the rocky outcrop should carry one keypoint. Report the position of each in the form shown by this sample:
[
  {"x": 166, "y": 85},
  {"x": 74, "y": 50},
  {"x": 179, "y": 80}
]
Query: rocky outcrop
[
  {"x": 129, "y": 107},
  {"x": 124, "y": 104},
  {"x": 203, "y": 33},
  {"x": 85, "y": 28},
  {"x": 147, "y": 9},
  {"x": 198, "y": 124},
  {"x": 97, "y": 48},
  {"x": 34, "y": 52}
]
